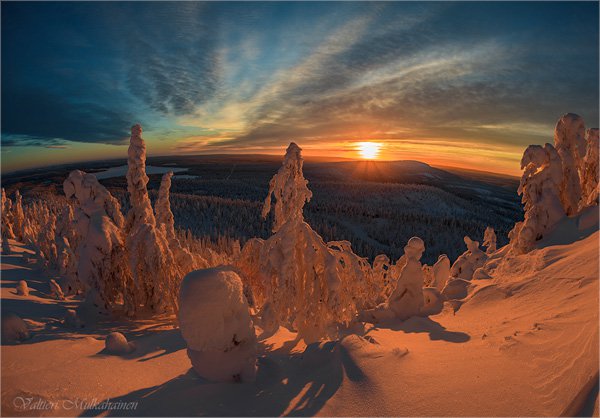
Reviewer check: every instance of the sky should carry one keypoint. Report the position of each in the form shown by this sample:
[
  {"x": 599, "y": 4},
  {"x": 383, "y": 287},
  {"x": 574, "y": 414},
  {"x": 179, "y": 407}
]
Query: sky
[{"x": 466, "y": 84}]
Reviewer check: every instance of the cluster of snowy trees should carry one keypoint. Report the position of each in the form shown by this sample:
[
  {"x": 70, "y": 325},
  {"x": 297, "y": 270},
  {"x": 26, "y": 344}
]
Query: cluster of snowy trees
[
  {"x": 119, "y": 264},
  {"x": 293, "y": 277},
  {"x": 558, "y": 180},
  {"x": 297, "y": 280}
]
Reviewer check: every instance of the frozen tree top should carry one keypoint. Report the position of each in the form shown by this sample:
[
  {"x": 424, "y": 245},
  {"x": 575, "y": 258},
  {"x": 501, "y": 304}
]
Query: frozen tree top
[
  {"x": 289, "y": 188},
  {"x": 91, "y": 195},
  {"x": 569, "y": 134},
  {"x": 137, "y": 179}
]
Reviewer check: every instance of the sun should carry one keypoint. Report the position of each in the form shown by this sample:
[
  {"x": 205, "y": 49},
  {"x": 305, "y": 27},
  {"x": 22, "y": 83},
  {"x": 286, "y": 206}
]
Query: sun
[{"x": 369, "y": 150}]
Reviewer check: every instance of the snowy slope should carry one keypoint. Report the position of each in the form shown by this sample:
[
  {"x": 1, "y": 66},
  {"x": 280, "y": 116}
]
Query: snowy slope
[{"x": 523, "y": 343}]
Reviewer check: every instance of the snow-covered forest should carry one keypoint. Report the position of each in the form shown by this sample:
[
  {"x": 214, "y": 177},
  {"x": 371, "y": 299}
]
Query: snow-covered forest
[{"x": 326, "y": 264}]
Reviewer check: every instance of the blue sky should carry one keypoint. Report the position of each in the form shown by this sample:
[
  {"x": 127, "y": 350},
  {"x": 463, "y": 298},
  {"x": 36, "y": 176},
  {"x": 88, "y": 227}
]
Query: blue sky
[{"x": 465, "y": 83}]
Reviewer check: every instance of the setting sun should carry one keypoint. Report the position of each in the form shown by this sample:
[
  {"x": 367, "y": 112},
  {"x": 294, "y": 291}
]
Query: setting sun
[{"x": 369, "y": 150}]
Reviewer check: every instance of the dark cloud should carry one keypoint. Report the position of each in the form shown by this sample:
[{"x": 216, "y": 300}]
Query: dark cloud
[{"x": 41, "y": 118}]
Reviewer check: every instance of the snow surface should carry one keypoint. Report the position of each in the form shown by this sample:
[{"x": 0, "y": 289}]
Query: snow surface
[{"x": 522, "y": 343}]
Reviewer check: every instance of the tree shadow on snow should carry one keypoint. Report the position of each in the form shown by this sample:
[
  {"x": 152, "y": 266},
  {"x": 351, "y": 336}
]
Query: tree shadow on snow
[
  {"x": 297, "y": 384},
  {"x": 158, "y": 343},
  {"x": 418, "y": 324}
]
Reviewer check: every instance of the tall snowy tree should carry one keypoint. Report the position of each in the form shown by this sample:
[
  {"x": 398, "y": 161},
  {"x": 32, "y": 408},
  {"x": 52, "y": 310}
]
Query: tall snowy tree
[
  {"x": 307, "y": 284},
  {"x": 540, "y": 187},
  {"x": 66, "y": 245},
  {"x": 18, "y": 216},
  {"x": 102, "y": 258},
  {"x": 589, "y": 173},
  {"x": 569, "y": 142},
  {"x": 155, "y": 272},
  {"x": 186, "y": 262},
  {"x": 7, "y": 221},
  {"x": 489, "y": 240}
]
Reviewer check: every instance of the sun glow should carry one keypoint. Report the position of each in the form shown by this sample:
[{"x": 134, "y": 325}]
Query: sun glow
[{"x": 369, "y": 150}]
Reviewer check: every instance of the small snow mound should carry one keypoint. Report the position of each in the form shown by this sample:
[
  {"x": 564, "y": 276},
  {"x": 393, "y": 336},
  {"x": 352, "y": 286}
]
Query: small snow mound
[
  {"x": 116, "y": 343},
  {"x": 480, "y": 274},
  {"x": 400, "y": 351},
  {"x": 14, "y": 329},
  {"x": 72, "y": 320},
  {"x": 433, "y": 301},
  {"x": 22, "y": 288},
  {"x": 456, "y": 288}
]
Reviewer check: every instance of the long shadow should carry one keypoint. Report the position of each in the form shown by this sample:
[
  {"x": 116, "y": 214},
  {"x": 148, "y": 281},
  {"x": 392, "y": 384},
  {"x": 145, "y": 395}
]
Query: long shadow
[
  {"x": 297, "y": 384},
  {"x": 161, "y": 343},
  {"x": 418, "y": 324}
]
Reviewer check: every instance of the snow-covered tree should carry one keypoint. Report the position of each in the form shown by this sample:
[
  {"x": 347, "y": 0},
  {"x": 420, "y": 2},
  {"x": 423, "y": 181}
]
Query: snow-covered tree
[
  {"x": 215, "y": 323},
  {"x": 7, "y": 221},
  {"x": 102, "y": 258},
  {"x": 307, "y": 284},
  {"x": 407, "y": 298},
  {"x": 489, "y": 240},
  {"x": 382, "y": 274},
  {"x": 66, "y": 245},
  {"x": 155, "y": 273},
  {"x": 540, "y": 187},
  {"x": 441, "y": 272},
  {"x": 165, "y": 219},
  {"x": 570, "y": 144},
  {"x": 589, "y": 173},
  {"x": 469, "y": 261},
  {"x": 46, "y": 242},
  {"x": 18, "y": 216},
  {"x": 289, "y": 188}
]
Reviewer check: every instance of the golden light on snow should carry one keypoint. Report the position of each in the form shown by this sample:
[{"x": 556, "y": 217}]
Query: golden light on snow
[{"x": 369, "y": 150}]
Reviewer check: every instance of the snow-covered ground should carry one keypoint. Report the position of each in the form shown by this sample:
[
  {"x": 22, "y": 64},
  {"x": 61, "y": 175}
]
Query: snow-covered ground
[{"x": 523, "y": 343}]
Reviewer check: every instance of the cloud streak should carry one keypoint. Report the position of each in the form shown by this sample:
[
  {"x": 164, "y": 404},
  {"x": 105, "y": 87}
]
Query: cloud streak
[{"x": 231, "y": 76}]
